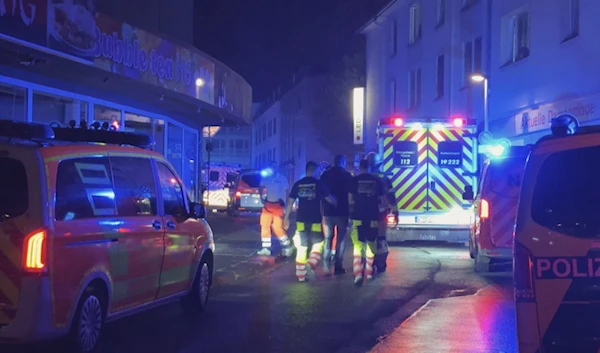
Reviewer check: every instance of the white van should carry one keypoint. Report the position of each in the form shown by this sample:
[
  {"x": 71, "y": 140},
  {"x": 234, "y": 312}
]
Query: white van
[{"x": 557, "y": 242}]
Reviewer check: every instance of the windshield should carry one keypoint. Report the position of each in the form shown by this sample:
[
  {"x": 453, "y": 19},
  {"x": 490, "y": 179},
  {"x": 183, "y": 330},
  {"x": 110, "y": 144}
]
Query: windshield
[
  {"x": 251, "y": 180},
  {"x": 231, "y": 177},
  {"x": 14, "y": 195},
  {"x": 566, "y": 193},
  {"x": 505, "y": 176}
]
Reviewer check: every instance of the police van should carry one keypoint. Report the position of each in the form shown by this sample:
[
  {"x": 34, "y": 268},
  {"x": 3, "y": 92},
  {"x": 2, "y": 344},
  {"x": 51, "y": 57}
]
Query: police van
[
  {"x": 495, "y": 206},
  {"x": 557, "y": 242},
  {"x": 428, "y": 162}
]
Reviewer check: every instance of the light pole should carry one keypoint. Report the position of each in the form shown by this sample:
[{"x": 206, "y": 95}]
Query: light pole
[{"x": 478, "y": 78}]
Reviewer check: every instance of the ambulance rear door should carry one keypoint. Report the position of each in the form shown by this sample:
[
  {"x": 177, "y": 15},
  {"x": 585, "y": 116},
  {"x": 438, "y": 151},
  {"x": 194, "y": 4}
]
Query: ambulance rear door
[
  {"x": 452, "y": 163},
  {"x": 404, "y": 162}
]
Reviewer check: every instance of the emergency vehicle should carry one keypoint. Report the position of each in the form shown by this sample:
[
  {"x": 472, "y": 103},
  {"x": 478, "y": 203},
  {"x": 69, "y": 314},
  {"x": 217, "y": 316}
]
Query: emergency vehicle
[
  {"x": 429, "y": 162},
  {"x": 94, "y": 226},
  {"x": 557, "y": 242},
  {"x": 495, "y": 206},
  {"x": 245, "y": 192},
  {"x": 218, "y": 178}
]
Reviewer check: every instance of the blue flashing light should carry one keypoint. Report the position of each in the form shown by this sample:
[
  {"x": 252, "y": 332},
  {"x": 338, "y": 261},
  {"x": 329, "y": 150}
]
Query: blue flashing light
[
  {"x": 267, "y": 172},
  {"x": 496, "y": 150},
  {"x": 564, "y": 124}
]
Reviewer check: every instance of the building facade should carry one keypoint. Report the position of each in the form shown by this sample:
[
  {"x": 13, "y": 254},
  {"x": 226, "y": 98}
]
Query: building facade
[
  {"x": 538, "y": 58},
  {"x": 283, "y": 131},
  {"x": 111, "y": 71},
  {"x": 231, "y": 145}
]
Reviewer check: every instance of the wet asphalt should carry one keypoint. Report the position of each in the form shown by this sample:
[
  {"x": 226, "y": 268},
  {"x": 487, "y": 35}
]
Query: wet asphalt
[{"x": 257, "y": 305}]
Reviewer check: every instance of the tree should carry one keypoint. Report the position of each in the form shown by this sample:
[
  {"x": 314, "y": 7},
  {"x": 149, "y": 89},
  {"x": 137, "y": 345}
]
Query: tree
[{"x": 332, "y": 114}]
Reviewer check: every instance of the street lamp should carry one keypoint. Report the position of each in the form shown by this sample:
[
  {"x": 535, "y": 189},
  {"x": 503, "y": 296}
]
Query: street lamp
[{"x": 478, "y": 78}]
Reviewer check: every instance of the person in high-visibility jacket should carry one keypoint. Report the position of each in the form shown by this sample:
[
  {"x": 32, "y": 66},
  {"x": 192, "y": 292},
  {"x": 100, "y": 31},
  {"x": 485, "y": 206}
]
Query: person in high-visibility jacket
[
  {"x": 274, "y": 187},
  {"x": 391, "y": 209},
  {"x": 310, "y": 192},
  {"x": 366, "y": 201}
]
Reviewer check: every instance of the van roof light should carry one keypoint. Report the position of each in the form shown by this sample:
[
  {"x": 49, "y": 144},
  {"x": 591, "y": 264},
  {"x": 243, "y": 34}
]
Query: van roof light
[{"x": 564, "y": 124}]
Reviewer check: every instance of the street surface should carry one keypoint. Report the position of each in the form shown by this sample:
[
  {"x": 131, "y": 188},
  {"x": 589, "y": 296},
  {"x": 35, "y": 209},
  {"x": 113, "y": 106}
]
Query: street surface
[{"x": 257, "y": 305}]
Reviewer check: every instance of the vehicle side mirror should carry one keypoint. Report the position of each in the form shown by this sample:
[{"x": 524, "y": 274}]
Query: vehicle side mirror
[{"x": 198, "y": 210}]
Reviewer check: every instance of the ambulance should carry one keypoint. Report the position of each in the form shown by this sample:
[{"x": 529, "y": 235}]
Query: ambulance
[
  {"x": 218, "y": 179},
  {"x": 557, "y": 242},
  {"x": 495, "y": 206},
  {"x": 429, "y": 162}
]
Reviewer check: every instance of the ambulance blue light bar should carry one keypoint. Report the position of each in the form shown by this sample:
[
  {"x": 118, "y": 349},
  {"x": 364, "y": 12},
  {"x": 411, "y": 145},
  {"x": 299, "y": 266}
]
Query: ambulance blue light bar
[
  {"x": 267, "y": 172},
  {"x": 564, "y": 124}
]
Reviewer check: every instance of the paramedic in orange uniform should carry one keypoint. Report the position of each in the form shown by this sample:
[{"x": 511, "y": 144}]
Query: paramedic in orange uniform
[{"x": 274, "y": 192}]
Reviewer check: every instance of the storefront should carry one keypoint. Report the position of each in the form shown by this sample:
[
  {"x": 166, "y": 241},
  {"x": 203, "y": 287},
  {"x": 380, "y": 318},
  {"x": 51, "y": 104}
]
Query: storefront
[
  {"x": 528, "y": 126},
  {"x": 109, "y": 71}
]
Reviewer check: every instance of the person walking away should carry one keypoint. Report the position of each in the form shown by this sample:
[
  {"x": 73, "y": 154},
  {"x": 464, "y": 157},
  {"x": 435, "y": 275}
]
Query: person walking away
[
  {"x": 366, "y": 202},
  {"x": 391, "y": 207},
  {"x": 336, "y": 217},
  {"x": 310, "y": 192},
  {"x": 274, "y": 189}
]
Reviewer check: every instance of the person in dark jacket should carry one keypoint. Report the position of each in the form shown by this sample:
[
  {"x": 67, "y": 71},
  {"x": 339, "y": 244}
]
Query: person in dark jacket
[{"x": 336, "y": 217}]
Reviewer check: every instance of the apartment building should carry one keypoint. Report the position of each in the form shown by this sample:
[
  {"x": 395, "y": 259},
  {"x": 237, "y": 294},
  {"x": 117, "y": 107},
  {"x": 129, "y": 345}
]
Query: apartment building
[
  {"x": 538, "y": 57},
  {"x": 231, "y": 145},
  {"x": 284, "y": 131}
]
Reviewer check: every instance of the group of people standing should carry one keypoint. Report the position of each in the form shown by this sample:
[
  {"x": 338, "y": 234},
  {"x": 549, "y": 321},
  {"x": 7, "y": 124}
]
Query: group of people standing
[{"x": 334, "y": 205}]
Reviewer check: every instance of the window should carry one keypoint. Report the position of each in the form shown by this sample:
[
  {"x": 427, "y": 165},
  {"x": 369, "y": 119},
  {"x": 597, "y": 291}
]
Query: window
[
  {"x": 51, "y": 109},
  {"x": 440, "y": 75},
  {"x": 134, "y": 185},
  {"x": 415, "y": 23},
  {"x": 231, "y": 177},
  {"x": 247, "y": 144},
  {"x": 13, "y": 103},
  {"x": 175, "y": 147},
  {"x": 393, "y": 95},
  {"x": 394, "y": 37},
  {"x": 213, "y": 176},
  {"x": 239, "y": 145},
  {"x": 232, "y": 144},
  {"x": 264, "y": 132},
  {"x": 472, "y": 59},
  {"x": 516, "y": 37},
  {"x": 269, "y": 155},
  {"x": 84, "y": 189},
  {"x": 573, "y": 20},
  {"x": 14, "y": 201},
  {"x": 441, "y": 12},
  {"x": 275, "y": 125},
  {"x": 274, "y": 155},
  {"x": 172, "y": 192},
  {"x": 106, "y": 114},
  {"x": 253, "y": 180},
  {"x": 414, "y": 88},
  {"x": 567, "y": 202},
  {"x": 138, "y": 123},
  {"x": 270, "y": 128},
  {"x": 159, "y": 136}
]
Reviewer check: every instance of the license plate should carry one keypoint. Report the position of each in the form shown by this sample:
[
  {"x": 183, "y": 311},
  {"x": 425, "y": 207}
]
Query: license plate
[
  {"x": 422, "y": 219},
  {"x": 427, "y": 237}
]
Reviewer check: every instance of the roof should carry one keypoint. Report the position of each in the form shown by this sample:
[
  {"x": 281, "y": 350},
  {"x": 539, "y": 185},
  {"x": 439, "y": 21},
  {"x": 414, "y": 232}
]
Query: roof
[{"x": 373, "y": 20}]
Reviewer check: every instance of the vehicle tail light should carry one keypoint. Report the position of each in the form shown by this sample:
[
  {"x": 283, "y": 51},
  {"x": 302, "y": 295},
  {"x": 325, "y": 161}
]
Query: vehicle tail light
[
  {"x": 34, "y": 252},
  {"x": 484, "y": 209},
  {"x": 523, "y": 273},
  {"x": 238, "y": 194},
  {"x": 391, "y": 219}
]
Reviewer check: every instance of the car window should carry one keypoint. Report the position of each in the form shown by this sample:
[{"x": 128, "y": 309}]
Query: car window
[
  {"x": 231, "y": 177},
  {"x": 566, "y": 193},
  {"x": 135, "y": 189},
  {"x": 84, "y": 189},
  {"x": 172, "y": 192},
  {"x": 213, "y": 176},
  {"x": 252, "y": 180},
  {"x": 14, "y": 201}
]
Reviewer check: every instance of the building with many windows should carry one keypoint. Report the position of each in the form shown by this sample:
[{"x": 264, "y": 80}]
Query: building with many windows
[
  {"x": 116, "y": 72},
  {"x": 537, "y": 56},
  {"x": 283, "y": 130},
  {"x": 231, "y": 145}
]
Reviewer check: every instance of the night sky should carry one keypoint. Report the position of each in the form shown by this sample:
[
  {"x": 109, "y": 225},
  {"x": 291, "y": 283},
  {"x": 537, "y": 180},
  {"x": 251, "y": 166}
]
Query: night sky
[{"x": 267, "y": 40}]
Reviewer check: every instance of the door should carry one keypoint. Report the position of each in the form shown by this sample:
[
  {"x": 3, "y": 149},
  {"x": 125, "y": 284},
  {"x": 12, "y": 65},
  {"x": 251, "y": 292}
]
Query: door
[
  {"x": 141, "y": 229},
  {"x": 452, "y": 163},
  {"x": 181, "y": 232},
  {"x": 405, "y": 164}
]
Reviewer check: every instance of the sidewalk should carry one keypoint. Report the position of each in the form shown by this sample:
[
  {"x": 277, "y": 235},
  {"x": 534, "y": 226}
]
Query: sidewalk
[{"x": 480, "y": 323}]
